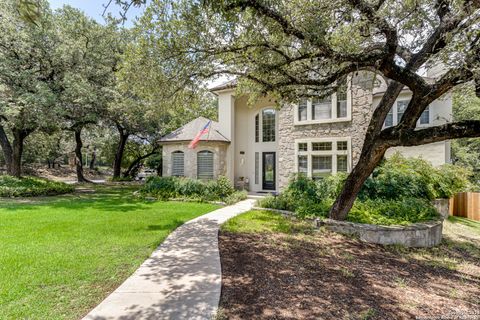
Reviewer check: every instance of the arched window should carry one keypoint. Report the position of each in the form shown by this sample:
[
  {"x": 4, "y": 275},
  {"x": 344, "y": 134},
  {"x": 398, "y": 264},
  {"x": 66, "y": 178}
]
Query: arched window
[
  {"x": 178, "y": 164},
  {"x": 205, "y": 165},
  {"x": 268, "y": 125}
]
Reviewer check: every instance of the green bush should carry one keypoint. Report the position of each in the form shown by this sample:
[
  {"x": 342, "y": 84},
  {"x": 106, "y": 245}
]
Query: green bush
[
  {"x": 31, "y": 187},
  {"x": 236, "y": 197},
  {"x": 174, "y": 187},
  {"x": 398, "y": 192},
  {"x": 388, "y": 212},
  {"x": 399, "y": 177}
]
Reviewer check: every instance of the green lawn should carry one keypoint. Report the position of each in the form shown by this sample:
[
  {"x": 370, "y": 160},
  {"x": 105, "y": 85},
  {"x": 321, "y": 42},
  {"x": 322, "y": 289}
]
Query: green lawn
[{"x": 60, "y": 256}]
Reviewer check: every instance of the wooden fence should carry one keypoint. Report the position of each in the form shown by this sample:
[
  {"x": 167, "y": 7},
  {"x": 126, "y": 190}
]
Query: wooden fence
[{"x": 466, "y": 204}]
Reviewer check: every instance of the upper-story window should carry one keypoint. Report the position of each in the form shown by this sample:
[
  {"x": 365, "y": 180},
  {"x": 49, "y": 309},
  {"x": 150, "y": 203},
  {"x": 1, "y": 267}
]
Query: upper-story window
[
  {"x": 398, "y": 109},
  {"x": 268, "y": 125},
  {"x": 332, "y": 108}
]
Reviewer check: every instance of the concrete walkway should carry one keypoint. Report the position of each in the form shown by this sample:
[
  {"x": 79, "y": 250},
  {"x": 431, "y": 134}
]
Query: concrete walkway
[{"x": 181, "y": 279}]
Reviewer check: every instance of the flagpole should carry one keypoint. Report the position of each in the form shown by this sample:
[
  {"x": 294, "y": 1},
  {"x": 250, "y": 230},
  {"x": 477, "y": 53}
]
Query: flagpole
[{"x": 209, "y": 127}]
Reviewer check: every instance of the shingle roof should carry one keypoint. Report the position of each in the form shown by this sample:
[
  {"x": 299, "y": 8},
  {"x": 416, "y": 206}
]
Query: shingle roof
[
  {"x": 191, "y": 129},
  {"x": 227, "y": 85}
]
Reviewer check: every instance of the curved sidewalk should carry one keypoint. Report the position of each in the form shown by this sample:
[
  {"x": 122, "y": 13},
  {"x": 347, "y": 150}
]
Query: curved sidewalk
[{"x": 182, "y": 278}]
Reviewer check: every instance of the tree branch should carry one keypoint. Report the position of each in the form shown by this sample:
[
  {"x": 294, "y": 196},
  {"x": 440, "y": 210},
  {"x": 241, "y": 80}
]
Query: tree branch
[{"x": 410, "y": 137}]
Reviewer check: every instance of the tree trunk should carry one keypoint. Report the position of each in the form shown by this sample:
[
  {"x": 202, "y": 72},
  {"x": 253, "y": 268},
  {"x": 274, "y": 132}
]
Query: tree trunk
[
  {"x": 78, "y": 155},
  {"x": 136, "y": 163},
  {"x": 17, "y": 148},
  {"x": 117, "y": 163},
  {"x": 94, "y": 159},
  {"x": 371, "y": 155},
  {"x": 7, "y": 149}
]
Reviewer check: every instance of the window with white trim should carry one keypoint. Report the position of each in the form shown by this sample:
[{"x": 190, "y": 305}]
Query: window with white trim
[
  {"x": 318, "y": 158},
  {"x": 324, "y": 110},
  {"x": 265, "y": 125},
  {"x": 395, "y": 114},
  {"x": 178, "y": 164},
  {"x": 205, "y": 164}
]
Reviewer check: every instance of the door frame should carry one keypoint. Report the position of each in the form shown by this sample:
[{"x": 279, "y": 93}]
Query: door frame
[{"x": 273, "y": 185}]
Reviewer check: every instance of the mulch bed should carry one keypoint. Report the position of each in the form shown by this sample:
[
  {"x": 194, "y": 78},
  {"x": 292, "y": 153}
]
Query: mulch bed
[{"x": 328, "y": 276}]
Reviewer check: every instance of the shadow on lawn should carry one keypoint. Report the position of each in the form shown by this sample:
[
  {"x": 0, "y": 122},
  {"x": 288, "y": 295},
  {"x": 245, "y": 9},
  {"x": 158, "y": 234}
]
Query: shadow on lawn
[
  {"x": 331, "y": 277},
  {"x": 103, "y": 198}
]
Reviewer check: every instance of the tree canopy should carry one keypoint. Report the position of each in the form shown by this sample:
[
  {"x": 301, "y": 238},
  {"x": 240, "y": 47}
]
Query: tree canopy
[{"x": 293, "y": 49}]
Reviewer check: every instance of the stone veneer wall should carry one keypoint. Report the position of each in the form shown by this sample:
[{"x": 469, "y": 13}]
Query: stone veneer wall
[
  {"x": 362, "y": 109},
  {"x": 219, "y": 150}
]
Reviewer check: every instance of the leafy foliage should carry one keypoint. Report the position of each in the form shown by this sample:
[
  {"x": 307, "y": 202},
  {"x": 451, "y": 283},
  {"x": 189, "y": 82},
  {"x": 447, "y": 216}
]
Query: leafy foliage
[
  {"x": 173, "y": 187},
  {"x": 400, "y": 177},
  {"x": 398, "y": 192},
  {"x": 31, "y": 187}
]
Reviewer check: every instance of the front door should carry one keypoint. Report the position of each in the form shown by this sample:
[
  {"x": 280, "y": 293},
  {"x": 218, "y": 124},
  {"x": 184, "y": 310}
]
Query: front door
[{"x": 268, "y": 171}]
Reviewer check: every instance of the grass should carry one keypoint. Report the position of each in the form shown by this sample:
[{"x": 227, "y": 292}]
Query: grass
[
  {"x": 60, "y": 256},
  {"x": 256, "y": 221}
]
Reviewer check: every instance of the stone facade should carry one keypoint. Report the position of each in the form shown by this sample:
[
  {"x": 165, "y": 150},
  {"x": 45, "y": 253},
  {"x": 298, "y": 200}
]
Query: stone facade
[
  {"x": 219, "y": 150},
  {"x": 361, "y": 93}
]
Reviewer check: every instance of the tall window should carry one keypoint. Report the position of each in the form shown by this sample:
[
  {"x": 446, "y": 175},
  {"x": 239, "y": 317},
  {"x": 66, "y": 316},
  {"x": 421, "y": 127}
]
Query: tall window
[
  {"x": 425, "y": 117},
  {"x": 302, "y": 165},
  {"x": 401, "y": 107},
  {"x": 257, "y": 127},
  {"x": 317, "y": 158},
  {"x": 205, "y": 165},
  {"x": 268, "y": 125},
  {"x": 342, "y": 101},
  {"x": 178, "y": 164},
  {"x": 322, "y": 108},
  {"x": 257, "y": 167},
  {"x": 302, "y": 110}
]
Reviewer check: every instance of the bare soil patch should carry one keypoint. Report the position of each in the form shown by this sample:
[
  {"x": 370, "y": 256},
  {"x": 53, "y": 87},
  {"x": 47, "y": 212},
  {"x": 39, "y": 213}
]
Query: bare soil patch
[{"x": 323, "y": 275}]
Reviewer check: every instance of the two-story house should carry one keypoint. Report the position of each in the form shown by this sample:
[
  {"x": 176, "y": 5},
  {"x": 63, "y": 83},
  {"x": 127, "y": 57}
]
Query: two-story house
[{"x": 262, "y": 146}]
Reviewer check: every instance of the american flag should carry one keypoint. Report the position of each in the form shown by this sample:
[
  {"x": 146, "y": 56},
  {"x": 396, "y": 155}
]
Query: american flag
[{"x": 199, "y": 135}]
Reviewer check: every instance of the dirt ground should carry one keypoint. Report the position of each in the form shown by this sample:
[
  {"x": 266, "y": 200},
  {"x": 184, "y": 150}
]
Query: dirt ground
[
  {"x": 65, "y": 173},
  {"x": 322, "y": 275}
]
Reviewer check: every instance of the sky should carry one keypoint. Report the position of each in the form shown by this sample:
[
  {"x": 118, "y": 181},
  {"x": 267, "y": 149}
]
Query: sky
[{"x": 94, "y": 9}]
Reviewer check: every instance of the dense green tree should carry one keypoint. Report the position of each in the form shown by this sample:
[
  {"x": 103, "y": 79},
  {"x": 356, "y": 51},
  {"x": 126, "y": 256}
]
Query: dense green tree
[
  {"x": 292, "y": 49},
  {"x": 89, "y": 52},
  {"x": 28, "y": 80},
  {"x": 466, "y": 152}
]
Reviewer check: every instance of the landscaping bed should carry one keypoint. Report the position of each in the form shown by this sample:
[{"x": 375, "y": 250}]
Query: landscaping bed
[
  {"x": 31, "y": 187},
  {"x": 399, "y": 192},
  {"x": 276, "y": 268},
  {"x": 180, "y": 188}
]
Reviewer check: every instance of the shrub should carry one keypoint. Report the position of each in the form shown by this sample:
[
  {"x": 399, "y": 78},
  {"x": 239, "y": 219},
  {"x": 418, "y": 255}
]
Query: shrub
[
  {"x": 236, "y": 197},
  {"x": 172, "y": 187},
  {"x": 161, "y": 187},
  {"x": 31, "y": 187},
  {"x": 388, "y": 212},
  {"x": 221, "y": 188},
  {"x": 399, "y": 177},
  {"x": 398, "y": 192}
]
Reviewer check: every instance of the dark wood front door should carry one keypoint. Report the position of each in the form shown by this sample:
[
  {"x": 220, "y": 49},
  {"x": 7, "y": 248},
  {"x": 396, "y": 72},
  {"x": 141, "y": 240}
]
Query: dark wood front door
[{"x": 268, "y": 171}]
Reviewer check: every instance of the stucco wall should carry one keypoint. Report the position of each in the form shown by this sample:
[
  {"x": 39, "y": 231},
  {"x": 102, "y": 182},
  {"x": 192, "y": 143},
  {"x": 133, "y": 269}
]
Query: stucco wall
[{"x": 219, "y": 150}]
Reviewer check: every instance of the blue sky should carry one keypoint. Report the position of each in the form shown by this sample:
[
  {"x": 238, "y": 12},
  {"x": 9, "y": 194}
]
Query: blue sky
[{"x": 94, "y": 9}]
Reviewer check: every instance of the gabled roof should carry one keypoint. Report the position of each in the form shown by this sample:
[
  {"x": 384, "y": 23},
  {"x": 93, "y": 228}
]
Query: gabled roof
[
  {"x": 226, "y": 85},
  {"x": 191, "y": 129}
]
